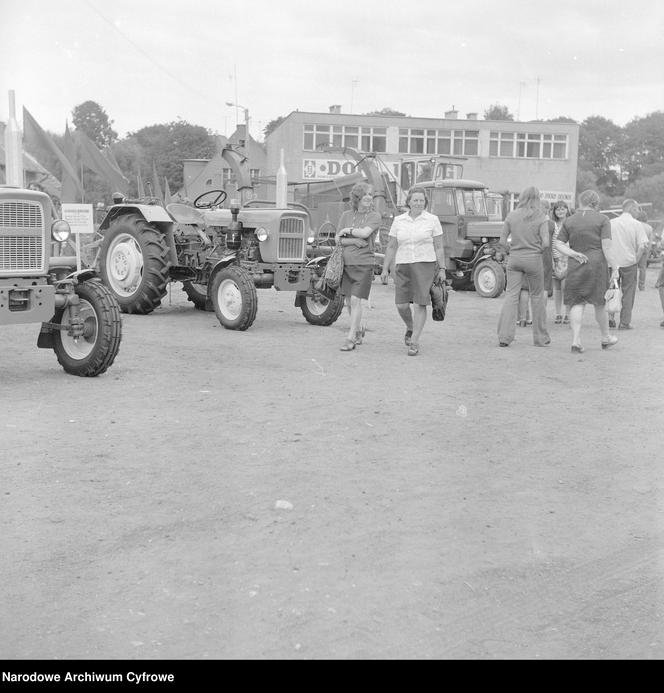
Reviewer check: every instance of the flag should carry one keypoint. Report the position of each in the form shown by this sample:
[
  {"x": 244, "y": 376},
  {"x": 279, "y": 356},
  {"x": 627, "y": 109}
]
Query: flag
[
  {"x": 97, "y": 162},
  {"x": 139, "y": 187},
  {"x": 156, "y": 187},
  {"x": 110, "y": 157},
  {"x": 69, "y": 189},
  {"x": 167, "y": 192},
  {"x": 33, "y": 130}
]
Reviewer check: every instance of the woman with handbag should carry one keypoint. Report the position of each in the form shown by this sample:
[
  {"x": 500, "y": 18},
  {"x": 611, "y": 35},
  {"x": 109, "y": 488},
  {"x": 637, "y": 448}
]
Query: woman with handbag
[
  {"x": 559, "y": 212},
  {"x": 589, "y": 255},
  {"x": 357, "y": 227},
  {"x": 416, "y": 246}
]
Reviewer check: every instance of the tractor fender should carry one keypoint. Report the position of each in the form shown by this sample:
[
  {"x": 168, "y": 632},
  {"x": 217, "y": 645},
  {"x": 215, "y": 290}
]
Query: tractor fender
[
  {"x": 83, "y": 275},
  {"x": 318, "y": 261},
  {"x": 223, "y": 262},
  {"x": 150, "y": 213}
]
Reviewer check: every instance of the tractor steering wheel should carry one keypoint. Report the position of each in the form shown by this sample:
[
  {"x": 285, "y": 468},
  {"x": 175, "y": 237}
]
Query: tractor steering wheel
[{"x": 219, "y": 199}]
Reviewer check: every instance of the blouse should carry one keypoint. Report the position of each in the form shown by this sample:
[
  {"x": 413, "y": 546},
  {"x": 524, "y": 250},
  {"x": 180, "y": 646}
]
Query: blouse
[{"x": 415, "y": 237}]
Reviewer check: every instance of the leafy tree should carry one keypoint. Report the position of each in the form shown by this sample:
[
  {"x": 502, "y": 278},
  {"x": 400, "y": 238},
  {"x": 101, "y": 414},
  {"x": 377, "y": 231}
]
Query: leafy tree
[
  {"x": 92, "y": 119},
  {"x": 601, "y": 150},
  {"x": 498, "y": 112},
  {"x": 560, "y": 119},
  {"x": 168, "y": 145},
  {"x": 643, "y": 143},
  {"x": 649, "y": 190},
  {"x": 272, "y": 126},
  {"x": 386, "y": 111}
]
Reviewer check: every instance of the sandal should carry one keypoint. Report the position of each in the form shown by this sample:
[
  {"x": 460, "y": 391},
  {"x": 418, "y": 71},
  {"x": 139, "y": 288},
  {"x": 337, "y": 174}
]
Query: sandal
[
  {"x": 558, "y": 320},
  {"x": 566, "y": 320},
  {"x": 358, "y": 337},
  {"x": 413, "y": 349},
  {"x": 348, "y": 345},
  {"x": 407, "y": 336},
  {"x": 577, "y": 349},
  {"x": 606, "y": 343}
]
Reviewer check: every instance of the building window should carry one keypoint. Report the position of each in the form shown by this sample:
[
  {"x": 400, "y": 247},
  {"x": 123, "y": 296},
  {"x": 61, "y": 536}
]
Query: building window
[
  {"x": 367, "y": 139},
  {"x": 226, "y": 177},
  {"x": 459, "y": 142},
  {"x": 374, "y": 139},
  {"x": 529, "y": 145}
]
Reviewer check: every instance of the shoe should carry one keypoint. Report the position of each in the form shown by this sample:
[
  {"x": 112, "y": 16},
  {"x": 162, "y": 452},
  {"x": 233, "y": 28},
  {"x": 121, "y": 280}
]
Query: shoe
[
  {"x": 577, "y": 349},
  {"x": 546, "y": 342},
  {"x": 503, "y": 344},
  {"x": 358, "y": 337},
  {"x": 529, "y": 323},
  {"x": 625, "y": 327},
  {"x": 558, "y": 320},
  {"x": 606, "y": 343},
  {"x": 348, "y": 345},
  {"x": 612, "y": 323},
  {"x": 413, "y": 349},
  {"x": 407, "y": 336},
  {"x": 566, "y": 320},
  {"x": 522, "y": 323}
]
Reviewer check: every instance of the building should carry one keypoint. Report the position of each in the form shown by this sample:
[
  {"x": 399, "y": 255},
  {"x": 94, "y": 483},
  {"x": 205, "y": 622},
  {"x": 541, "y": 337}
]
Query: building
[
  {"x": 201, "y": 175},
  {"x": 507, "y": 156}
]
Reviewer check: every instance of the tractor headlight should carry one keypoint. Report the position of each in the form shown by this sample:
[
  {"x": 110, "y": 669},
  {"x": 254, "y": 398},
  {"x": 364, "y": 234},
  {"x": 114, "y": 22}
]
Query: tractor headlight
[
  {"x": 60, "y": 230},
  {"x": 311, "y": 238},
  {"x": 261, "y": 234}
]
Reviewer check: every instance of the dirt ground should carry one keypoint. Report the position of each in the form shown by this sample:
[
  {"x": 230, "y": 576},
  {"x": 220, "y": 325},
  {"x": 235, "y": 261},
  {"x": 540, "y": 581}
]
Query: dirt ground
[{"x": 260, "y": 494}]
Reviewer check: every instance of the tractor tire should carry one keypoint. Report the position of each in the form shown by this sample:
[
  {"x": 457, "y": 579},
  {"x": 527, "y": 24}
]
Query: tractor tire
[
  {"x": 234, "y": 298},
  {"x": 489, "y": 279},
  {"x": 318, "y": 310},
  {"x": 197, "y": 294},
  {"x": 94, "y": 351},
  {"x": 134, "y": 264}
]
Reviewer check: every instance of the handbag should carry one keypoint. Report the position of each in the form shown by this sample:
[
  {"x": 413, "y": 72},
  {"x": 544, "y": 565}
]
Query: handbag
[
  {"x": 334, "y": 269},
  {"x": 613, "y": 298},
  {"x": 560, "y": 266},
  {"x": 439, "y": 293}
]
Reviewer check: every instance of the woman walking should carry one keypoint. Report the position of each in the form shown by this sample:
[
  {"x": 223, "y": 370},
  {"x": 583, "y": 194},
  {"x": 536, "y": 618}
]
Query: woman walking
[
  {"x": 416, "y": 246},
  {"x": 529, "y": 230},
  {"x": 357, "y": 227},
  {"x": 589, "y": 255},
  {"x": 559, "y": 213}
]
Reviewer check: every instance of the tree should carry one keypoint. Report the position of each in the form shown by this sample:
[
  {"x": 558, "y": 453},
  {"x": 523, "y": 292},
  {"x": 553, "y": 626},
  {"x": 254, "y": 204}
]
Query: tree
[
  {"x": 167, "y": 145},
  {"x": 386, "y": 111},
  {"x": 649, "y": 190},
  {"x": 560, "y": 119},
  {"x": 498, "y": 112},
  {"x": 272, "y": 126},
  {"x": 601, "y": 150},
  {"x": 92, "y": 119},
  {"x": 643, "y": 143}
]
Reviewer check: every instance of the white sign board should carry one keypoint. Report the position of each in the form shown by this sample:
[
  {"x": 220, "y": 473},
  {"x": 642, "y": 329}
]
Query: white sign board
[
  {"x": 327, "y": 168},
  {"x": 80, "y": 217},
  {"x": 554, "y": 195}
]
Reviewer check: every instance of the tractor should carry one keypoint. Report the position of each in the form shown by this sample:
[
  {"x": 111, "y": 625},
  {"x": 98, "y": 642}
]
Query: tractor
[
  {"x": 39, "y": 282},
  {"x": 222, "y": 255}
]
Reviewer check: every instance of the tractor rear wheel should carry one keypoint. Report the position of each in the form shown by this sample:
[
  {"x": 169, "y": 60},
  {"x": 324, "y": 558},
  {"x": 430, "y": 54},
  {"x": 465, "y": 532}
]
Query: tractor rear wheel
[
  {"x": 489, "y": 279},
  {"x": 134, "y": 264},
  {"x": 198, "y": 295},
  {"x": 95, "y": 350},
  {"x": 318, "y": 310},
  {"x": 234, "y": 298}
]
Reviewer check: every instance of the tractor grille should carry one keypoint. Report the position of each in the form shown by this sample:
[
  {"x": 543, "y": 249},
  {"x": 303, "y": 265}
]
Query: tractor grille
[
  {"x": 291, "y": 239},
  {"x": 21, "y": 237}
]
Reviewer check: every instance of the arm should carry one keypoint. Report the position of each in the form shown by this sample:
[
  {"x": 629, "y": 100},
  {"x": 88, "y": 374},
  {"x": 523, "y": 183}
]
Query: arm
[
  {"x": 544, "y": 234},
  {"x": 390, "y": 253},
  {"x": 503, "y": 237},
  {"x": 346, "y": 237},
  {"x": 440, "y": 256}
]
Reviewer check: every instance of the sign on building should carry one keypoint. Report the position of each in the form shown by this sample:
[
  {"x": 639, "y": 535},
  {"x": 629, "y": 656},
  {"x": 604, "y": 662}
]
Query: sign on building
[
  {"x": 326, "y": 168},
  {"x": 554, "y": 195}
]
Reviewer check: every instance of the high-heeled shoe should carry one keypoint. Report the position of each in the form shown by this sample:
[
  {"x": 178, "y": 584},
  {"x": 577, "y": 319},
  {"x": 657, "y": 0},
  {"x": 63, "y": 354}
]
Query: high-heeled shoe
[
  {"x": 558, "y": 320},
  {"x": 606, "y": 343},
  {"x": 348, "y": 345},
  {"x": 413, "y": 349},
  {"x": 577, "y": 349}
]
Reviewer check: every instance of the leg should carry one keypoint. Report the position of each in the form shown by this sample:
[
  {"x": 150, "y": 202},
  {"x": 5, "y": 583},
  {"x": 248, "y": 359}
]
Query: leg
[
  {"x": 628, "y": 280},
  {"x": 523, "y": 306},
  {"x": 507, "y": 319},
  {"x": 576, "y": 318},
  {"x": 602, "y": 318},
  {"x": 355, "y": 316},
  {"x": 643, "y": 267},
  {"x": 535, "y": 274},
  {"x": 419, "y": 318},
  {"x": 406, "y": 314}
]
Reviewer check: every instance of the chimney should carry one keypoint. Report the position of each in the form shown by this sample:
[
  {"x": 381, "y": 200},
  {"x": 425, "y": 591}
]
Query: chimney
[
  {"x": 336, "y": 109},
  {"x": 471, "y": 116},
  {"x": 452, "y": 115}
]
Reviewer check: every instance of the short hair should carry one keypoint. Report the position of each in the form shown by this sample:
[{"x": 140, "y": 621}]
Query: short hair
[
  {"x": 642, "y": 216},
  {"x": 358, "y": 191},
  {"x": 412, "y": 191},
  {"x": 589, "y": 198},
  {"x": 631, "y": 206}
]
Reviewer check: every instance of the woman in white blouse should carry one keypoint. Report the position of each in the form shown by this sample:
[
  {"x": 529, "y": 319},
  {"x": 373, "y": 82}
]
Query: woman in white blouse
[{"x": 416, "y": 246}]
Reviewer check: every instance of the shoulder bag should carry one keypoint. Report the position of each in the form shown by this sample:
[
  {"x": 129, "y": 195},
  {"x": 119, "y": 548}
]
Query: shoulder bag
[
  {"x": 334, "y": 269},
  {"x": 613, "y": 298}
]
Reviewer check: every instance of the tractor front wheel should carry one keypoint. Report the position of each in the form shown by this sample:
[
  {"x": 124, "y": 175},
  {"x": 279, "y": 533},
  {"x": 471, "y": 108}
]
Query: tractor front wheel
[
  {"x": 94, "y": 351},
  {"x": 234, "y": 298},
  {"x": 489, "y": 279},
  {"x": 318, "y": 310},
  {"x": 134, "y": 264}
]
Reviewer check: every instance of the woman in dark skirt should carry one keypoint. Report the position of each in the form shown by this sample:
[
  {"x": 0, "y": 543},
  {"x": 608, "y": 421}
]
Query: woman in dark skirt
[{"x": 589, "y": 236}]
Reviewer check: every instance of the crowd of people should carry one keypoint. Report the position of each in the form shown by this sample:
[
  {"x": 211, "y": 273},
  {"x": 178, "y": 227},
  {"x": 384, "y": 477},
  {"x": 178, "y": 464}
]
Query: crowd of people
[{"x": 552, "y": 251}]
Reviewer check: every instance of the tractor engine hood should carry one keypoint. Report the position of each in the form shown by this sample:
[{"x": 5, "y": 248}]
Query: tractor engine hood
[
  {"x": 250, "y": 217},
  {"x": 483, "y": 229}
]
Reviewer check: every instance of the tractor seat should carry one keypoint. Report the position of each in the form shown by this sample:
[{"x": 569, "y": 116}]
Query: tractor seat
[{"x": 184, "y": 214}]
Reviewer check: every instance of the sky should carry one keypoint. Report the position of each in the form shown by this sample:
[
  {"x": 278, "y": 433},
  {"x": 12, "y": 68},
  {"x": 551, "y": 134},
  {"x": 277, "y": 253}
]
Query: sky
[{"x": 147, "y": 61}]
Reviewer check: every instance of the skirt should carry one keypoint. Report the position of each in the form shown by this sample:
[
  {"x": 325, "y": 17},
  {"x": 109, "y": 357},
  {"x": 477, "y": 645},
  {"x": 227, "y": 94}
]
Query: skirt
[
  {"x": 356, "y": 280},
  {"x": 412, "y": 282}
]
